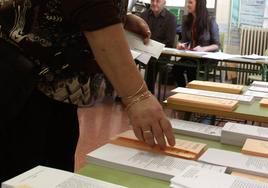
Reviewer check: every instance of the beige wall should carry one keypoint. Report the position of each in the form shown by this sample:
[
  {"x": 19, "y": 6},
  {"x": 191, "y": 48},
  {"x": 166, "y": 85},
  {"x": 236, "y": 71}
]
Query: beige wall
[{"x": 223, "y": 14}]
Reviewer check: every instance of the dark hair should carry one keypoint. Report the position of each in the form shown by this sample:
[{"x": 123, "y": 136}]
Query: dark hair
[{"x": 202, "y": 18}]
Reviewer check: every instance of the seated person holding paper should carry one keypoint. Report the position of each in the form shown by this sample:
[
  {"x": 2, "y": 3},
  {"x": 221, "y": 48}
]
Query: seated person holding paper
[
  {"x": 162, "y": 24},
  {"x": 200, "y": 33}
]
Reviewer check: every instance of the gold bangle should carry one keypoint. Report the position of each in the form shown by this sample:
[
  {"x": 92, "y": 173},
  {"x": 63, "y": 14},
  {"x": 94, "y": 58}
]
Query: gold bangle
[
  {"x": 136, "y": 93},
  {"x": 139, "y": 98}
]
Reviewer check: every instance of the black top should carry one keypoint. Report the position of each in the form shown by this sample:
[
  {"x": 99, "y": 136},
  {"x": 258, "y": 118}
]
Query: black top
[
  {"x": 50, "y": 31},
  {"x": 163, "y": 27}
]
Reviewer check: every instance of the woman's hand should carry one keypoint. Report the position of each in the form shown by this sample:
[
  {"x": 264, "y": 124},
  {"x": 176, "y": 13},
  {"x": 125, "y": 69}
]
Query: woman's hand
[
  {"x": 199, "y": 49},
  {"x": 150, "y": 123},
  {"x": 182, "y": 46},
  {"x": 138, "y": 26}
]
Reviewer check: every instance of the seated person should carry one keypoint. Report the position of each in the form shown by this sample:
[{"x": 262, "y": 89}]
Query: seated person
[
  {"x": 162, "y": 24},
  {"x": 199, "y": 33}
]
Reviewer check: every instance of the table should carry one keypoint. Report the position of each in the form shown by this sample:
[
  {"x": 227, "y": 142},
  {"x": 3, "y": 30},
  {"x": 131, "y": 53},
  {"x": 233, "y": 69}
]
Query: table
[
  {"x": 250, "y": 112},
  {"x": 247, "y": 66},
  {"x": 137, "y": 181}
]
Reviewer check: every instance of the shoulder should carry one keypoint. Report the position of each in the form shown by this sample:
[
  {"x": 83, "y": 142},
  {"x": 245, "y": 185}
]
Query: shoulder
[
  {"x": 212, "y": 19},
  {"x": 169, "y": 14},
  {"x": 145, "y": 13}
]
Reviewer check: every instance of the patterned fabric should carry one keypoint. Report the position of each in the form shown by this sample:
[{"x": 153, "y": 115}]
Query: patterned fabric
[{"x": 38, "y": 27}]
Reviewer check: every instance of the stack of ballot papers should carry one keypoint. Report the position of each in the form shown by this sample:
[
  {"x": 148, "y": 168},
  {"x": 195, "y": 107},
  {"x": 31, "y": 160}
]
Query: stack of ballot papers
[
  {"x": 215, "y": 86},
  {"x": 196, "y": 129},
  {"x": 241, "y": 98},
  {"x": 143, "y": 52},
  {"x": 254, "y": 57},
  {"x": 250, "y": 176},
  {"x": 259, "y": 84},
  {"x": 235, "y": 161},
  {"x": 183, "y": 53},
  {"x": 236, "y": 133},
  {"x": 183, "y": 148},
  {"x": 255, "y": 147},
  {"x": 44, "y": 177},
  {"x": 194, "y": 177},
  {"x": 256, "y": 94},
  {"x": 258, "y": 89},
  {"x": 144, "y": 163},
  {"x": 264, "y": 102},
  {"x": 196, "y": 101}
]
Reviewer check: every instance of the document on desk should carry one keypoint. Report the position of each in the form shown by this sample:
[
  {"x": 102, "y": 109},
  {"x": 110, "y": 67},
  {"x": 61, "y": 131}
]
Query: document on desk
[
  {"x": 135, "y": 42},
  {"x": 194, "y": 177},
  {"x": 256, "y": 94},
  {"x": 196, "y": 129},
  {"x": 237, "y": 134},
  {"x": 259, "y": 84},
  {"x": 236, "y": 161},
  {"x": 258, "y": 89},
  {"x": 174, "y": 51},
  {"x": 255, "y": 147},
  {"x": 255, "y": 57},
  {"x": 142, "y": 162},
  {"x": 219, "y": 55},
  {"x": 241, "y": 98},
  {"x": 182, "y": 148},
  {"x": 45, "y": 177}
]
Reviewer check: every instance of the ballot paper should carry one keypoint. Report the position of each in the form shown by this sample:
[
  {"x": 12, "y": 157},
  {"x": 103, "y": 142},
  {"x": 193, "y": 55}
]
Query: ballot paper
[
  {"x": 142, "y": 162},
  {"x": 237, "y": 133},
  {"x": 135, "y": 42},
  {"x": 194, "y": 177},
  {"x": 235, "y": 161},
  {"x": 241, "y": 98},
  {"x": 196, "y": 129},
  {"x": 45, "y": 177}
]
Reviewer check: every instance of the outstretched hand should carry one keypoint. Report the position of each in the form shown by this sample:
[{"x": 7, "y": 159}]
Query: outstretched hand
[
  {"x": 138, "y": 26},
  {"x": 150, "y": 123}
]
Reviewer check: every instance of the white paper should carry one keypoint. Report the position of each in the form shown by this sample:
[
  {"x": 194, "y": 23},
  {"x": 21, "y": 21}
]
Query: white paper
[
  {"x": 177, "y": 52},
  {"x": 259, "y": 89},
  {"x": 135, "y": 42},
  {"x": 144, "y": 58},
  {"x": 260, "y": 132},
  {"x": 194, "y": 177},
  {"x": 236, "y": 161},
  {"x": 44, "y": 177},
  {"x": 255, "y": 57},
  {"x": 256, "y": 94},
  {"x": 135, "y": 54},
  {"x": 196, "y": 129},
  {"x": 240, "y": 98},
  {"x": 259, "y": 84},
  {"x": 141, "y": 162},
  {"x": 219, "y": 55}
]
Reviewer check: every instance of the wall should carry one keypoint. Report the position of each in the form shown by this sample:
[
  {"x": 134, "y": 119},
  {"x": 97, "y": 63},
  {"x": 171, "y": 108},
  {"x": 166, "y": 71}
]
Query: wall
[{"x": 223, "y": 14}]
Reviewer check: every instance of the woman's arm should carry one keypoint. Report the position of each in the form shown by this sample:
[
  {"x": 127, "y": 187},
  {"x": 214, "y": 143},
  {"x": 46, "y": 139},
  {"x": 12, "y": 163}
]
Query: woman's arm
[{"x": 113, "y": 55}]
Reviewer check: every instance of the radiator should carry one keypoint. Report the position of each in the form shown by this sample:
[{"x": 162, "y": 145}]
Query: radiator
[{"x": 253, "y": 40}]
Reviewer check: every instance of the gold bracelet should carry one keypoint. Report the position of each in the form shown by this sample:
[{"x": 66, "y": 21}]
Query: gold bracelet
[
  {"x": 136, "y": 93},
  {"x": 139, "y": 98}
]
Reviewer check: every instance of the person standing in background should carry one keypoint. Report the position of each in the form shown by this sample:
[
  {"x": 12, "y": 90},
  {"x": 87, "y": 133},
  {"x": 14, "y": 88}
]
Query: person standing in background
[
  {"x": 200, "y": 33},
  {"x": 162, "y": 24}
]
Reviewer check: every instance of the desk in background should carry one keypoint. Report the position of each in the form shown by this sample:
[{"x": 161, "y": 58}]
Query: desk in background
[{"x": 245, "y": 66}]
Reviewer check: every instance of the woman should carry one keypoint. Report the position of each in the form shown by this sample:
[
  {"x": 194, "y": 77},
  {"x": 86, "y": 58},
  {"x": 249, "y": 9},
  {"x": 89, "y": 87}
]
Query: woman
[
  {"x": 45, "y": 46},
  {"x": 199, "y": 33}
]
